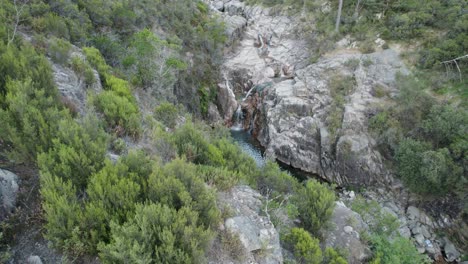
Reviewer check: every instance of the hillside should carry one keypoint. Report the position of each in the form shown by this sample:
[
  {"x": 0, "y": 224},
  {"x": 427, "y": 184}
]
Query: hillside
[{"x": 117, "y": 140}]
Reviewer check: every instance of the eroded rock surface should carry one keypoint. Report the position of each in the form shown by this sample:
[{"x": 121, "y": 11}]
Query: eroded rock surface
[
  {"x": 344, "y": 234},
  {"x": 257, "y": 234},
  {"x": 72, "y": 86},
  {"x": 8, "y": 192}
]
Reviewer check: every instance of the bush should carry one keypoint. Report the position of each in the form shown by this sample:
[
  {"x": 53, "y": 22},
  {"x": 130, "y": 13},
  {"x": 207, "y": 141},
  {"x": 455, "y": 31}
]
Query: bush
[
  {"x": 113, "y": 196},
  {"x": 157, "y": 234},
  {"x": 306, "y": 249},
  {"x": 315, "y": 203},
  {"x": 120, "y": 114},
  {"x": 271, "y": 180},
  {"x": 167, "y": 113},
  {"x": 426, "y": 171},
  {"x": 177, "y": 185},
  {"x": 398, "y": 250},
  {"x": 59, "y": 50},
  {"x": 62, "y": 211},
  {"x": 332, "y": 257},
  {"x": 83, "y": 69},
  {"x": 78, "y": 151},
  {"x": 194, "y": 145}
]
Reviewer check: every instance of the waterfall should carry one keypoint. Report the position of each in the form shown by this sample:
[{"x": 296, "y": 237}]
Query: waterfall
[
  {"x": 238, "y": 119},
  {"x": 248, "y": 93}
]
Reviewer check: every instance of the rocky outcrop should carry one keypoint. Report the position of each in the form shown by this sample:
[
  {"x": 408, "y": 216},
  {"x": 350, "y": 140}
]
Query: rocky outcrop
[
  {"x": 72, "y": 86},
  {"x": 306, "y": 127},
  {"x": 8, "y": 192},
  {"x": 258, "y": 236},
  {"x": 345, "y": 233}
]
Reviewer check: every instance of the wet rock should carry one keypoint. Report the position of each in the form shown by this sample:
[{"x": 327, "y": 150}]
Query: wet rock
[
  {"x": 226, "y": 100},
  {"x": 8, "y": 192}
]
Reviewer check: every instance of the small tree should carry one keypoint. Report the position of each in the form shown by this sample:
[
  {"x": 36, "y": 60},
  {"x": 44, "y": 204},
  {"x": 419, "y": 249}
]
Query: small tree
[
  {"x": 315, "y": 203},
  {"x": 306, "y": 249}
]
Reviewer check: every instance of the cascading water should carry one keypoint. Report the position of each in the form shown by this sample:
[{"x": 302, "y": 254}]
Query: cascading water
[
  {"x": 237, "y": 124},
  {"x": 248, "y": 93}
]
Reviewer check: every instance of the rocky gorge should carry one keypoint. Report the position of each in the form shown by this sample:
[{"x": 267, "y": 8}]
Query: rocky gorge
[{"x": 314, "y": 117}]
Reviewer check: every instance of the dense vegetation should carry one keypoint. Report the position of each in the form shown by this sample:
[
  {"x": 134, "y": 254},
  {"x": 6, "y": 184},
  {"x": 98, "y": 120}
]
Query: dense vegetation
[{"x": 159, "y": 205}]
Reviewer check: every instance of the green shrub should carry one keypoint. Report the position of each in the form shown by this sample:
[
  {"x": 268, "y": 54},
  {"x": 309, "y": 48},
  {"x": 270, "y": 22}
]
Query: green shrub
[
  {"x": 113, "y": 196},
  {"x": 426, "y": 171},
  {"x": 398, "y": 250},
  {"x": 177, "y": 185},
  {"x": 62, "y": 211},
  {"x": 78, "y": 151},
  {"x": 222, "y": 178},
  {"x": 315, "y": 203},
  {"x": 379, "y": 221},
  {"x": 270, "y": 179},
  {"x": 157, "y": 234},
  {"x": 167, "y": 113},
  {"x": 306, "y": 249},
  {"x": 194, "y": 145},
  {"x": 332, "y": 257},
  {"x": 120, "y": 114},
  {"x": 59, "y": 50},
  {"x": 95, "y": 58},
  {"x": 83, "y": 69}
]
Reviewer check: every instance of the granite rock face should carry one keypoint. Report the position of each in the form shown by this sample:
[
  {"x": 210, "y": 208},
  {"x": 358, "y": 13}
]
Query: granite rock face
[
  {"x": 257, "y": 234},
  {"x": 347, "y": 226}
]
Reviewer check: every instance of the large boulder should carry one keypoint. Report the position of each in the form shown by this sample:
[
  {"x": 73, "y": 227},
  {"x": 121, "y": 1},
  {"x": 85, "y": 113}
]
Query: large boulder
[
  {"x": 346, "y": 227},
  {"x": 258, "y": 236},
  {"x": 8, "y": 192}
]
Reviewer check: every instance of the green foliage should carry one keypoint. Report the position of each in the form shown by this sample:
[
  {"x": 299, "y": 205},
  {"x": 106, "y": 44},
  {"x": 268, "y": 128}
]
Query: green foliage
[
  {"x": 77, "y": 151},
  {"x": 306, "y": 249},
  {"x": 222, "y": 178},
  {"x": 157, "y": 234},
  {"x": 427, "y": 171},
  {"x": 235, "y": 159},
  {"x": 399, "y": 250},
  {"x": 59, "y": 50},
  {"x": 120, "y": 114},
  {"x": 315, "y": 203},
  {"x": 379, "y": 221},
  {"x": 167, "y": 113},
  {"x": 97, "y": 61},
  {"x": 178, "y": 185},
  {"x": 194, "y": 145},
  {"x": 151, "y": 62},
  {"x": 62, "y": 210},
  {"x": 83, "y": 69},
  {"x": 332, "y": 257},
  {"x": 271, "y": 179},
  {"x": 112, "y": 196}
]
